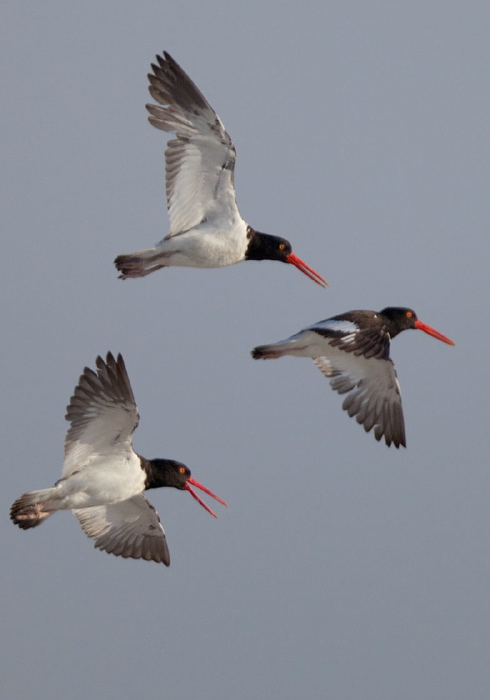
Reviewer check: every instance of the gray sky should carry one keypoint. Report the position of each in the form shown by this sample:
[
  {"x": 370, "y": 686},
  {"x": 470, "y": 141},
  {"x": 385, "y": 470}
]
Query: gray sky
[{"x": 342, "y": 568}]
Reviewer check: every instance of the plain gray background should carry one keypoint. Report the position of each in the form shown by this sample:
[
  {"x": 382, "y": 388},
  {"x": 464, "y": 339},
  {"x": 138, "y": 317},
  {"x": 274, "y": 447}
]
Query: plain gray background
[{"x": 341, "y": 569}]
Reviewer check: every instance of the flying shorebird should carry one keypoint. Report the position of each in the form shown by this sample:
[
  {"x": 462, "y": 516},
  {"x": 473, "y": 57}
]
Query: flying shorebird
[
  {"x": 353, "y": 351},
  {"x": 103, "y": 479},
  {"x": 206, "y": 229}
]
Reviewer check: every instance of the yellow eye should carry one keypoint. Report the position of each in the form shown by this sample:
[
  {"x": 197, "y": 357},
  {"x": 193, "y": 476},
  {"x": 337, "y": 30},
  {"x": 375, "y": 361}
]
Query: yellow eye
[
  {"x": 282, "y": 246},
  {"x": 182, "y": 470},
  {"x": 409, "y": 314}
]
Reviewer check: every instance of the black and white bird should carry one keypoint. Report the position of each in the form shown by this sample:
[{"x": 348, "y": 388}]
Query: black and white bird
[
  {"x": 353, "y": 351},
  {"x": 103, "y": 479},
  {"x": 206, "y": 229}
]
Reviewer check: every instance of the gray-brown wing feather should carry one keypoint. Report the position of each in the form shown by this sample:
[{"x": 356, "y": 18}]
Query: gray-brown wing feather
[
  {"x": 129, "y": 529},
  {"x": 374, "y": 398},
  {"x": 201, "y": 160},
  {"x": 102, "y": 413}
]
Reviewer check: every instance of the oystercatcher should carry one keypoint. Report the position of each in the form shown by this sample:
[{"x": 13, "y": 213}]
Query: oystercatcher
[
  {"x": 103, "y": 479},
  {"x": 206, "y": 229},
  {"x": 353, "y": 350}
]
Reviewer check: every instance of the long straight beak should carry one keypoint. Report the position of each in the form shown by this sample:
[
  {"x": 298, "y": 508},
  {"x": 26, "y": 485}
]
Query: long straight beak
[
  {"x": 427, "y": 329},
  {"x": 195, "y": 483},
  {"x": 306, "y": 269}
]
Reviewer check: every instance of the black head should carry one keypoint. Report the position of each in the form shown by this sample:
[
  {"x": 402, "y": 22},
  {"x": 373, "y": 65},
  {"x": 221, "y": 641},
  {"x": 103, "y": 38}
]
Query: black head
[
  {"x": 168, "y": 472},
  {"x": 400, "y": 319},
  {"x": 263, "y": 246}
]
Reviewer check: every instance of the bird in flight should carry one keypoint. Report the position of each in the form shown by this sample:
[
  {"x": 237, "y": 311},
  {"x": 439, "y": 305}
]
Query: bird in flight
[
  {"x": 353, "y": 351},
  {"x": 103, "y": 478},
  {"x": 206, "y": 229}
]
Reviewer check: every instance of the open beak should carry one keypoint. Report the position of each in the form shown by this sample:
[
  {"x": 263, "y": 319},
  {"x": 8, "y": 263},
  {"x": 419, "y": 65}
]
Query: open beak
[
  {"x": 306, "y": 269},
  {"x": 427, "y": 329},
  {"x": 195, "y": 483}
]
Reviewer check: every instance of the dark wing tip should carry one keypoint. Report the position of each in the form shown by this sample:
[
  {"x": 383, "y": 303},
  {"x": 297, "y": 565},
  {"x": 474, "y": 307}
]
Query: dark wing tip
[
  {"x": 396, "y": 441},
  {"x": 111, "y": 378},
  {"x": 159, "y": 556}
]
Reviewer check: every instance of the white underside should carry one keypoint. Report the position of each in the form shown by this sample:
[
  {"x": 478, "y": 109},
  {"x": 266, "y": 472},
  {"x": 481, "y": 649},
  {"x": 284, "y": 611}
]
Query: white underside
[
  {"x": 204, "y": 246},
  {"x": 101, "y": 482}
]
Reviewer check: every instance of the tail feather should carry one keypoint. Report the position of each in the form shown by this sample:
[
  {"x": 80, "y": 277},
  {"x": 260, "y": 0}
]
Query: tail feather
[
  {"x": 138, "y": 264},
  {"x": 266, "y": 352},
  {"x": 300, "y": 344},
  {"x": 32, "y": 508}
]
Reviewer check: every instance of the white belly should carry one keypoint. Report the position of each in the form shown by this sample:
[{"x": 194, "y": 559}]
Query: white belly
[
  {"x": 103, "y": 482},
  {"x": 205, "y": 246}
]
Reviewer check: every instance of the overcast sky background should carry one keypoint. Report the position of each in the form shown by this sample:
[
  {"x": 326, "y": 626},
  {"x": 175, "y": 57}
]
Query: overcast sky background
[{"x": 342, "y": 568}]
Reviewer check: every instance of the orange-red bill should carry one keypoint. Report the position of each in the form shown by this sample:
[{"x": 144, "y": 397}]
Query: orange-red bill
[
  {"x": 306, "y": 269},
  {"x": 195, "y": 483},
  {"x": 427, "y": 329}
]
